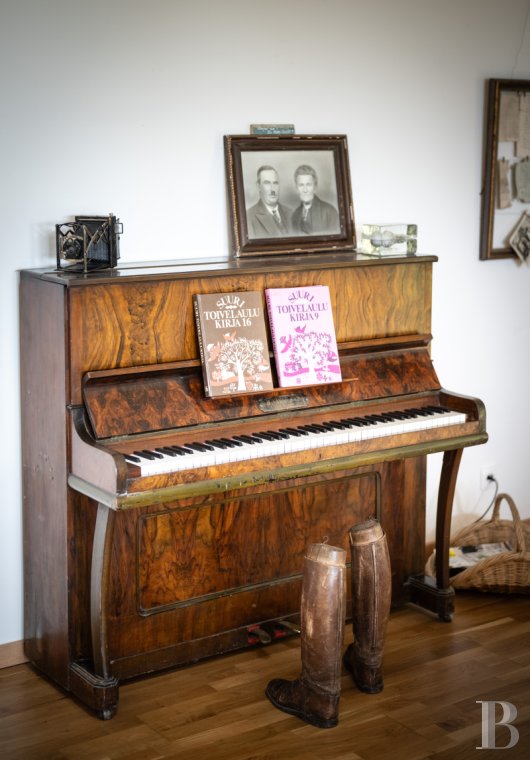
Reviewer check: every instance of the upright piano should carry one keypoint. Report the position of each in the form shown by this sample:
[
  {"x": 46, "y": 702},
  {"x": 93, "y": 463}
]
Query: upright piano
[{"x": 162, "y": 526}]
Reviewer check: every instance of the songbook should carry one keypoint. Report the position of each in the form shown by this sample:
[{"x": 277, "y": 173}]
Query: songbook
[
  {"x": 233, "y": 346},
  {"x": 303, "y": 335}
]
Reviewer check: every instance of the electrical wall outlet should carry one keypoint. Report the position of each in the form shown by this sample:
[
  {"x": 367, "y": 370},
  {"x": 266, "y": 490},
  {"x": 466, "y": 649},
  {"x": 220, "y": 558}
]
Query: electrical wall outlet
[{"x": 486, "y": 471}]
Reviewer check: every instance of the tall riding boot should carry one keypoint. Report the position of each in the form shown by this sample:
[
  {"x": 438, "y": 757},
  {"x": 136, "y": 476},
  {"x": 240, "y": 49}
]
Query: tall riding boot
[
  {"x": 314, "y": 696},
  {"x": 371, "y": 594}
]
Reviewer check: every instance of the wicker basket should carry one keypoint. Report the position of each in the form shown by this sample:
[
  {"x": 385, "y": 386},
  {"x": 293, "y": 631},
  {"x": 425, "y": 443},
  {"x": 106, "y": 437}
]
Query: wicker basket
[{"x": 504, "y": 573}]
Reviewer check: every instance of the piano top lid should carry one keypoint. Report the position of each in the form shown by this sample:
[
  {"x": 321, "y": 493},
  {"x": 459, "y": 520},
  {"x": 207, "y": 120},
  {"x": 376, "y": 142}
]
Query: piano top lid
[{"x": 215, "y": 266}]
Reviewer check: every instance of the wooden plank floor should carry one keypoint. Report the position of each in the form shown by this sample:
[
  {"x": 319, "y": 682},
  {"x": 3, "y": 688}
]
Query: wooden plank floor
[{"x": 434, "y": 674}]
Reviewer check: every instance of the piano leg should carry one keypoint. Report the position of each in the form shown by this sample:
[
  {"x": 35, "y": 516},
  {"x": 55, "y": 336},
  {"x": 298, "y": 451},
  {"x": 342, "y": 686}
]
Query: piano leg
[
  {"x": 99, "y": 585},
  {"x": 437, "y": 595},
  {"x": 96, "y": 688}
]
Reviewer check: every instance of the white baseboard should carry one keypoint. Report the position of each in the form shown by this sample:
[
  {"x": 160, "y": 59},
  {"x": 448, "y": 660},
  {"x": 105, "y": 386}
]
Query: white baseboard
[{"x": 12, "y": 654}]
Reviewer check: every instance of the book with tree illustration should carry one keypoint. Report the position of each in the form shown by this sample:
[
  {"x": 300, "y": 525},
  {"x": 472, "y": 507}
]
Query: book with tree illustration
[
  {"x": 303, "y": 335},
  {"x": 233, "y": 343}
]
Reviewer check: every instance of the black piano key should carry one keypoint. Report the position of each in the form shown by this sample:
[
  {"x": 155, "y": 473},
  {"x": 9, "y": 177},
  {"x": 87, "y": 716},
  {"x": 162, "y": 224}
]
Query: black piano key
[
  {"x": 428, "y": 411},
  {"x": 203, "y": 445},
  {"x": 417, "y": 412},
  {"x": 337, "y": 424},
  {"x": 292, "y": 432},
  {"x": 145, "y": 454},
  {"x": 328, "y": 427},
  {"x": 191, "y": 446},
  {"x": 217, "y": 444},
  {"x": 257, "y": 437},
  {"x": 167, "y": 450},
  {"x": 200, "y": 447},
  {"x": 231, "y": 441},
  {"x": 314, "y": 428},
  {"x": 375, "y": 418},
  {"x": 297, "y": 431},
  {"x": 182, "y": 451},
  {"x": 322, "y": 427},
  {"x": 132, "y": 458},
  {"x": 278, "y": 435},
  {"x": 264, "y": 435},
  {"x": 209, "y": 446},
  {"x": 223, "y": 443},
  {"x": 244, "y": 439}
]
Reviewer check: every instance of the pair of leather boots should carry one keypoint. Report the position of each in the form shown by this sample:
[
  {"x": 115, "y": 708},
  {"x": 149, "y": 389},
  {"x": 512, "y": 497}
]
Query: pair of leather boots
[{"x": 314, "y": 695}]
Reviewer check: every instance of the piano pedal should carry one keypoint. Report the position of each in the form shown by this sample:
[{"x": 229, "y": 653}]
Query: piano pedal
[
  {"x": 257, "y": 635},
  {"x": 280, "y": 630},
  {"x": 286, "y": 626}
]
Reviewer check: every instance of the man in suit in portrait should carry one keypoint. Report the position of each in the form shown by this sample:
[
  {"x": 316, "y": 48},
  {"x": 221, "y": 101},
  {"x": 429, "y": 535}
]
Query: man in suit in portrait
[
  {"x": 268, "y": 217},
  {"x": 313, "y": 216}
]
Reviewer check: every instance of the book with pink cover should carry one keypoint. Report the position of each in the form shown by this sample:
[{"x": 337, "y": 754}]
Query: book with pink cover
[
  {"x": 303, "y": 335},
  {"x": 233, "y": 346}
]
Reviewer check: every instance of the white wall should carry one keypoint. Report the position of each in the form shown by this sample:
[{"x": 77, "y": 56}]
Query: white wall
[{"x": 121, "y": 105}]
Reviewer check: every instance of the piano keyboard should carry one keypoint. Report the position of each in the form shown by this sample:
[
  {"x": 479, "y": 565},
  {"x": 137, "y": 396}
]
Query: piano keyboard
[{"x": 285, "y": 440}]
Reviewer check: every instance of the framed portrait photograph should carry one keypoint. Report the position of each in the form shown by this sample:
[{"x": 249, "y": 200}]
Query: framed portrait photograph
[
  {"x": 289, "y": 193},
  {"x": 506, "y": 166}
]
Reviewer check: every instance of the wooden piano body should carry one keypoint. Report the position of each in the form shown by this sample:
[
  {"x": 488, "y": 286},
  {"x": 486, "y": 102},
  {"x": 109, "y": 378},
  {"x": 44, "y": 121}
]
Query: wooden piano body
[{"x": 125, "y": 575}]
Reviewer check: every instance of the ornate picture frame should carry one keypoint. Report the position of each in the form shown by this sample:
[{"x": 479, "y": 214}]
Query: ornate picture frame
[
  {"x": 506, "y": 151},
  {"x": 289, "y": 194}
]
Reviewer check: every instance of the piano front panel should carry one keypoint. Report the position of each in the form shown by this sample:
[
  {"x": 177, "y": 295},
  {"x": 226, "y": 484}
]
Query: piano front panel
[
  {"x": 240, "y": 543},
  {"x": 187, "y": 579},
  {"x": 128, "y": 324}
]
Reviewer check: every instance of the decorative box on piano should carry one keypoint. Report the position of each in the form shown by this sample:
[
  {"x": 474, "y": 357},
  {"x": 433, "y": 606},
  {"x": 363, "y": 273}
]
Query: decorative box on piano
[{"x": 163, "y": 526}]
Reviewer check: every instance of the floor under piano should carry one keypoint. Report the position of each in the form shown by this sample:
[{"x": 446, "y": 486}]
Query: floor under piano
[{"x": 434, "y": 674}]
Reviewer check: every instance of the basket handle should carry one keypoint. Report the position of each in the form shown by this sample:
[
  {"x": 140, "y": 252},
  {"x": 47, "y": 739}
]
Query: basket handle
[{"x": 519, "y": 533}]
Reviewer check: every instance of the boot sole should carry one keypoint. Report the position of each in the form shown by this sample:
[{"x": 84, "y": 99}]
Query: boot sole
[
  {"x": 368, "y": 689},
  {"x": 314, "y": 720},
  {"x": 361, "y": 687}
]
